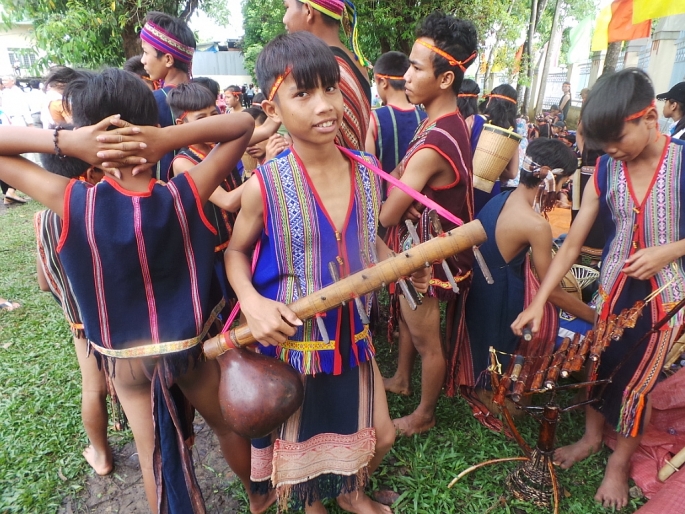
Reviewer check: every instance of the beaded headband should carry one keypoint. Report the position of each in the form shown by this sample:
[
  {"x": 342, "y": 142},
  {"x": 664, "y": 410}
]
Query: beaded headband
[
  {"x": 641, "y": 113},
  {"x": 345, "y": 11},
  {"x": 451, "y": 60},
  {"x": 164, "y": 42},
  {"x": 502, "y": 97}
]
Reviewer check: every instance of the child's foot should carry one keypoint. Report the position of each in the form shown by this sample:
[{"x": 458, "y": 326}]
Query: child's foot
[
  {"x": 260, "y": 503},
  {"x": 567, "y": 456},
  {"x": 103, "y": 464},
  {"x": 359, "y": 503},
  {"x": 397, "y": 386},
  {"x": 613, "y": 493},
  {"x": 413, "y": 424},
  {"x": 8, "y": 305}
]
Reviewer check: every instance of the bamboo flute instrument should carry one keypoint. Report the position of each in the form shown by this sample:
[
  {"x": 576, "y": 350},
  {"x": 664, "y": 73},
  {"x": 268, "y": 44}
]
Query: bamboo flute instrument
[{"x": 364, "y": 281}]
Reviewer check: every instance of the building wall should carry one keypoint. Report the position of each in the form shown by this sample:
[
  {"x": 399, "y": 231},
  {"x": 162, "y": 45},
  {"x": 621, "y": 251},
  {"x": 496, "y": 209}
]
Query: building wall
[{"x": 18, "y": 37}]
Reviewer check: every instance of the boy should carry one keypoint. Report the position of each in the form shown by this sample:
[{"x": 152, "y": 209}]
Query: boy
[
  {"x": 168, "y": 48},
  {"x": 309, "y": 209},
  {"x": 143, "y": 286},
  {"x": 513, "y": 227},
  {"x": 323, "y": 18},
  {"x": 392, "y": 127},
  {"x": 437, "y": 163}
]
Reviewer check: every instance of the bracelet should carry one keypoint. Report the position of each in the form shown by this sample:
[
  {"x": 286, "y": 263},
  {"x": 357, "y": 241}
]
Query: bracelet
[{"x": 55, "y": 135}]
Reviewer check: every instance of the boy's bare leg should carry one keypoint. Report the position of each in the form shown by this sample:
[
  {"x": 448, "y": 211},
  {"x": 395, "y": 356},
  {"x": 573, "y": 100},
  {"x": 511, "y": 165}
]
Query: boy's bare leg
[
  {"x": 590, "y": 443},
  {"x": 424, "y": 328},
  {"x": 201, "y": 386},
  {"x": 94, "y": 410},
  {"x": 133, "y": 389},
  {"x": 358, "y": 501},
  {"x": 400, "y": 382}
]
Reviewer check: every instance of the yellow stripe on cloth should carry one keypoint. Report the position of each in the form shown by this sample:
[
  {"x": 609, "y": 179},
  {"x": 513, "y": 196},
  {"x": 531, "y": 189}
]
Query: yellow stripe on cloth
[
  {"x": 157, "y": 349},
  {"x": 315, "y": 346}
]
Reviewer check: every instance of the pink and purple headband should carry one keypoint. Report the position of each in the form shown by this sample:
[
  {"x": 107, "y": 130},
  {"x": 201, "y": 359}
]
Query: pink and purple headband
[{"x": 161, "y": 40}]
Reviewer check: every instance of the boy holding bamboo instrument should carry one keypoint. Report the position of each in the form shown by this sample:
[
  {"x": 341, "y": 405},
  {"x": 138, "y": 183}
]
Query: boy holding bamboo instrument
[{"x": 312, "y": 212}]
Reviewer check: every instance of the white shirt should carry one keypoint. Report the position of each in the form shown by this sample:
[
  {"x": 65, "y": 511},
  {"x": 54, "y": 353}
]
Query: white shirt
[{"x": 16, "y": 106}]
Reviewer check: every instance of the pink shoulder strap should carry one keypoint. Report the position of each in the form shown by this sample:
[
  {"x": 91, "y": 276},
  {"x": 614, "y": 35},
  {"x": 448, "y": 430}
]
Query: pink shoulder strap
[{"x": 422, "y": 199}]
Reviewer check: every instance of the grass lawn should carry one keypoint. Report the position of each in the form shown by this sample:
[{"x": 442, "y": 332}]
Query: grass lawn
[{"x": 41, "y": 438}]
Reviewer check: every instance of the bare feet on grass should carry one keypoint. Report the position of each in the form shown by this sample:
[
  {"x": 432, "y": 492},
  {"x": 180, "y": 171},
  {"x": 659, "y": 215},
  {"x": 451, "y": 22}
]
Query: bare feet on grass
[
  {"x": 613, "y": 493},
  {"x": 359, "y": 503},
  {"x": 415, "y": 423},
  {"x": 397, "y": 386},
  {"x": 102, "y": 463},
  {"x": 260, "y": 503},
  {"x": 567, "y": 456}
]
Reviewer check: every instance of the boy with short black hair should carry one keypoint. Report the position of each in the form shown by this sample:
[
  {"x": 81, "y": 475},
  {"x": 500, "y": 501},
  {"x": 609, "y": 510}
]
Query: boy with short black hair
[
  {"x": 392, "y": 127},
  {"x": 168, "y": 48},
  {"x": 312, "y": 207},
  {"x": 438, "y": 164}
]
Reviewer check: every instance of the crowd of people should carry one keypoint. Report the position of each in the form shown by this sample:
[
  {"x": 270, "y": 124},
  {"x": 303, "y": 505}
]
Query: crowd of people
[{"x": 176, "y": 201}]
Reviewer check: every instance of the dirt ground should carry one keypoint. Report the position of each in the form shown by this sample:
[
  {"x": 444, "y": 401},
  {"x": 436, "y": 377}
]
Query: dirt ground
[{"x": 122, "y": 491}]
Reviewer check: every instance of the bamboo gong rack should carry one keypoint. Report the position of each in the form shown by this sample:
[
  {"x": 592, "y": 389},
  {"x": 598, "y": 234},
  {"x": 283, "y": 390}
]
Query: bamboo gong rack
[{"x": 365, "y": 281}]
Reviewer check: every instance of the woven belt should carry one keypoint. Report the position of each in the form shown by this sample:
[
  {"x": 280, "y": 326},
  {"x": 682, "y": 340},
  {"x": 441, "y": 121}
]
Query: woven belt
[
  {"x": 587, "y": 170},
  {"x": 157, "y": 349}
]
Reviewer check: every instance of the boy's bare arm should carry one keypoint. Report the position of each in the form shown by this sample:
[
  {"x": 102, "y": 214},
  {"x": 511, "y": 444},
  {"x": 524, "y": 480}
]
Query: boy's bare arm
[
  {"x": 370, "y": 145},
  {"x": 264, "y": 131},
  {"x": 540, "y": 239},
  {"x": 270, "y": 322},
  {"x": 562, "y": 262},
  {"x": 420, "y": 169}
]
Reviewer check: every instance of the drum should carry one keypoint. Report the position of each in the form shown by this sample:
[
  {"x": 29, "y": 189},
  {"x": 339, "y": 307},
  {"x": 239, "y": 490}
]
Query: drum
[{"x": 496, "y": 147}]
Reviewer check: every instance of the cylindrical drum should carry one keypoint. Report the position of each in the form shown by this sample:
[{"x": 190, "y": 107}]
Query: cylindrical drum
[{"x": 496, "y": 147}]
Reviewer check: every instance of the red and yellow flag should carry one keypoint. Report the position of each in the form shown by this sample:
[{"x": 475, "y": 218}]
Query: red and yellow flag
[{"x": 621, "y": 27}]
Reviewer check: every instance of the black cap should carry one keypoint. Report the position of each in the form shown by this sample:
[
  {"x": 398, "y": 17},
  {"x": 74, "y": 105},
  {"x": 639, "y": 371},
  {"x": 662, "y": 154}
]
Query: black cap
[{"x": 676, "y": 93}]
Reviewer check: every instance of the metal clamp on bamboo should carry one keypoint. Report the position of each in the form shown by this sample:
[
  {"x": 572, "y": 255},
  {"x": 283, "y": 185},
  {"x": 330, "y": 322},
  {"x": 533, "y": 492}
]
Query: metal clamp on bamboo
[{"x": 364, "y": 281}]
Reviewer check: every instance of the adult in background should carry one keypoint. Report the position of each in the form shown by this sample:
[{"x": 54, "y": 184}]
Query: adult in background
[
  {"x": 15, "y": 103},
  {"x": 565, "y": 101},
  {"x": 36, "y": 100},
  {"x": 467, "y": 100},
  {"x": 323, "y": 19},
  {"x": 674, "y": 108}
]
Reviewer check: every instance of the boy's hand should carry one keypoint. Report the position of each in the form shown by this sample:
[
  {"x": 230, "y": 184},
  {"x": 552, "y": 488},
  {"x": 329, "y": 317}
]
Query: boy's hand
[
  {"x": 413, "y": 213},
  {"x": 421, "y": 279},
  {"x": 646, "y": 263},
  {"x": 531, "y": 317},
  {"x": 274, "y": 146},
  {"x": 270, "y": 322},
  {"x": 127, "y": 145}
]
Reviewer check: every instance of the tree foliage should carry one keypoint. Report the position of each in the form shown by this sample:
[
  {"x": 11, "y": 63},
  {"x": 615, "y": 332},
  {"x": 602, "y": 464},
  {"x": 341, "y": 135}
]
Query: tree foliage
[
  {"x": 262, "y": 21},
  {"x": 96, "y": 33}
]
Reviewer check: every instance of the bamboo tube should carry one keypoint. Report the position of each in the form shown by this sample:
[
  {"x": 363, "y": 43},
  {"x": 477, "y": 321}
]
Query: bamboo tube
[
  {"x": 364, "y": 281},
  {"x": 555, "y": 368},
  {"x": 570, "y": 356},
  {"x": 672, "y": 466}
]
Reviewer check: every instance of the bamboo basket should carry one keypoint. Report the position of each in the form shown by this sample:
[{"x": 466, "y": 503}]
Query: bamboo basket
[{"x": 496, "y": 147}]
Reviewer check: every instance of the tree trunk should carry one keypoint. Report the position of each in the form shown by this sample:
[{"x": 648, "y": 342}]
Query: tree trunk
[
  {"x": 131, "y": 40},
  {"x": 548, "y": 58},
  {"x": 528, "y": 52},
  {"x": 611, "y": 59}
]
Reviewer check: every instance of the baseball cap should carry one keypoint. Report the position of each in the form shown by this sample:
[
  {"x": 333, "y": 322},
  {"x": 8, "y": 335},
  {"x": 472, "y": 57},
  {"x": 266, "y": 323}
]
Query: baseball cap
[{"x": 676, "y": 93}]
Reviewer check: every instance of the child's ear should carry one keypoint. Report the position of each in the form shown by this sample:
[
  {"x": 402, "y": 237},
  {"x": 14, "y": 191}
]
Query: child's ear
[
  {"x": 94, "y": 175},
  {"x": 178, "y": 121},
  {"x": 271, "y": 110},
  {"x": 168, "y": 60}
]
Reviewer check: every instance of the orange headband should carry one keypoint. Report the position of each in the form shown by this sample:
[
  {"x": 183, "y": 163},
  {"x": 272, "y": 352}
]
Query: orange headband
[
  {"x": 467, "y": 95},
  {"x": 389, "y": 77},
  {"x": 277, "y": 84},
  {"x": 451, "y": 60},
  {"x": 642, "y": 112},
  {"x": 502, "y": 97}
]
